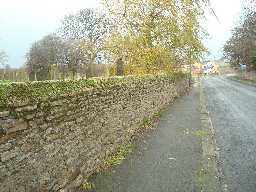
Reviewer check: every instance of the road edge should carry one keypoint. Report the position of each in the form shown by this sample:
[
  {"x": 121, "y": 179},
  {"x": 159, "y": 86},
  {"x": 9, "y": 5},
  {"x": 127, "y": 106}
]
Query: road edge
[
  {"x": 245, "y": 82},
  {"x": 210, "y": 173}
]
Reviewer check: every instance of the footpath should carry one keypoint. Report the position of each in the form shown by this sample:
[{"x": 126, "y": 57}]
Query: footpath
[{"x": 173, "y": 157}]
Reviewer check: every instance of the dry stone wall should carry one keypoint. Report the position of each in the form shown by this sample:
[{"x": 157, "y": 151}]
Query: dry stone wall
[{"x": 52, "y": 139}]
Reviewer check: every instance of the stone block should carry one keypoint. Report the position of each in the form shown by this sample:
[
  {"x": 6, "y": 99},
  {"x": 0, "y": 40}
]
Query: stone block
[
  {"x": 5, "y": 156},
  {"x": 4, "y": 114},
  {"x": 17, "y": 125},
  {"x": 26, "y": 108},
  {"x": 5, "y": 147}
]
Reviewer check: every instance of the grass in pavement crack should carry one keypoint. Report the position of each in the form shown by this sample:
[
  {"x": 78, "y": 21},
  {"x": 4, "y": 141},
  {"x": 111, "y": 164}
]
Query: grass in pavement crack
[
  {"x": 119, "y": 156},
  {"x": 88, "y": 186},
  {"x": 200, "y": 133}
]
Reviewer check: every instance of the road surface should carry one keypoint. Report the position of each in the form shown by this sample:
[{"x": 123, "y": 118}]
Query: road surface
[{"x": 232, "y": 108}]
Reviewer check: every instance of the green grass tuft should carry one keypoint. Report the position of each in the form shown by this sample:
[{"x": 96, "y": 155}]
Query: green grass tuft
[
  {"x": 147, "y": 122},
  {"x": 200, "y": 133},
  {"x": 88, "y": 186},
  {"x": 119, "y": 156}
]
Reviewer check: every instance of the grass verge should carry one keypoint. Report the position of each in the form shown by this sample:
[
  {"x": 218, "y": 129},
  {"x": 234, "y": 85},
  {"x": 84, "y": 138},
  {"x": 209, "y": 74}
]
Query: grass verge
[{"x": 240, "y": 80}]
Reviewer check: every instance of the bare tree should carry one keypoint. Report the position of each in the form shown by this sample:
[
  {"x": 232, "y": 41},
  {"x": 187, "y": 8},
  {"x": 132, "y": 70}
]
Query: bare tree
[
  {"x": 88, "y": 29},
  {"x": 3, "y": 59},
  {"x": 3, "y": 63},
  {"x": 241, "y": 47},
  {"x": 43, "y": 54}
]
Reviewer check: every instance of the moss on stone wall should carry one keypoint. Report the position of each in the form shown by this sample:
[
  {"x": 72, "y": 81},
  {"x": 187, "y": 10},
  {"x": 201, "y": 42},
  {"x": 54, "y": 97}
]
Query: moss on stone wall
[
  {"x": 54, "y": 134},
  {"x": 19, "y": 94}
]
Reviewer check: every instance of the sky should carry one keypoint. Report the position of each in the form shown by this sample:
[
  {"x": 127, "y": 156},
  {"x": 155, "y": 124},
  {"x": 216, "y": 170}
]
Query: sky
[
  {"x": 228, "y": 16},
  {"x": 23, "y": 22}
]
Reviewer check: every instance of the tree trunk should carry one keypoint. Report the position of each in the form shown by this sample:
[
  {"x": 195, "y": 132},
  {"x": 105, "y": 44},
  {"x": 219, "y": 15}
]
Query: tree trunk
[
  {"x": 90, "y": 73},
  {"x": 32, "y": 76},
  {"x": 119, "y": 67}
]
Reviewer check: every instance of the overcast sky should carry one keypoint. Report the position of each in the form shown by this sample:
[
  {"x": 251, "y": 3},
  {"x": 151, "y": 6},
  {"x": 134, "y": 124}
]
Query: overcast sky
[
  {"x": 228, "y": 13},
  {"x": 24, "y": 21}
]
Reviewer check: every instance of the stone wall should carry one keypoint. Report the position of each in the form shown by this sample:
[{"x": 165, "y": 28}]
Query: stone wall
[{"x": 52, "y": 139}]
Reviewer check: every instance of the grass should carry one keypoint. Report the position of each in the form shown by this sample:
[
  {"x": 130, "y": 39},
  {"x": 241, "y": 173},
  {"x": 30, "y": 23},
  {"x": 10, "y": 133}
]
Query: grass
[
  {"x": 246, "y": 76},
  {"x": 207, "y": 178},
  {"x": 158, "y": 114},
  {"x": 88, "y": 186},
  {"x": 118, "y": 157},
  {"x": 201, "y": 178},
  {"x": 147, "y": 122},
  {"x": 200, "y": 133},
  {"x": 5, "y": 81}
]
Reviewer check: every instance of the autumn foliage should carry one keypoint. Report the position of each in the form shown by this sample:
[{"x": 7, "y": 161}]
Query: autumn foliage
[{"x": 153, "y": 36}]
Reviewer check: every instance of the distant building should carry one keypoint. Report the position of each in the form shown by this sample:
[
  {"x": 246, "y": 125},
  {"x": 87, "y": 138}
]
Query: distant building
[
  {"x": 211, "y": 67},
  {"x": 196, "y": 68}
]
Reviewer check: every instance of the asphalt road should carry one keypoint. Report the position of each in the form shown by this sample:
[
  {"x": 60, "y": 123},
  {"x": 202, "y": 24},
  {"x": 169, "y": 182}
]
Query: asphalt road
[
  {"x": 232, "y": 108},
  {"x": 165, "y": 160}
]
